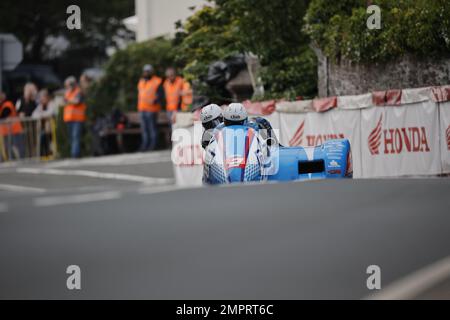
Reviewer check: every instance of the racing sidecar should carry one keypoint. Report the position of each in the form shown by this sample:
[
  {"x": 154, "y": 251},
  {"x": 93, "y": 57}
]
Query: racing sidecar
[{"x": 243, "y": 153}]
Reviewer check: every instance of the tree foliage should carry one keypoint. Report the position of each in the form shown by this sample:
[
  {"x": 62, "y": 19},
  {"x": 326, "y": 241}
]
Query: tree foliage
[
  {"x": 209, "y": 35},
  {"x": 270, "y": 29},
  {"x": 118, "y": 87},
  {"x": 418, "y": 27},
  {"x": 34, "y": 22}
]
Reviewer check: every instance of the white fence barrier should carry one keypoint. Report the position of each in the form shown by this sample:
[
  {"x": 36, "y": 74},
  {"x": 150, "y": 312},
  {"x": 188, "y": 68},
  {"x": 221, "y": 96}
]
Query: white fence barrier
[
  {"x": 401, "y": 140},
  {"x": 444, "y": 114},
  {"x": 187, "y": 152}
]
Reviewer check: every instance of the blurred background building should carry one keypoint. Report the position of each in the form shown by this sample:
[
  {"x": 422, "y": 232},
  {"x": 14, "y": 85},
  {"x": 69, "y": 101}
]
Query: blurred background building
[{"x": 155, "y": 18}]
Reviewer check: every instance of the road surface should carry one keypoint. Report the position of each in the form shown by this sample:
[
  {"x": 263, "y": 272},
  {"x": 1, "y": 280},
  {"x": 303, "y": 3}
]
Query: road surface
[{"x": 134, "y": 234}]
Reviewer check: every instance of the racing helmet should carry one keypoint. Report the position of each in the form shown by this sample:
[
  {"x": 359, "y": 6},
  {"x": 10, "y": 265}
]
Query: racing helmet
[
  {"x": 211, "y": 116},
  {"x": 235, "y": 114}
]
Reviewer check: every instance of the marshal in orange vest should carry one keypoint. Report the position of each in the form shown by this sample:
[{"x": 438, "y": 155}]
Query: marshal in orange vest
[
  {"x": 147, "y": 94},
  {"x": 173, "y": 91},
  {"x": 74, "y": 112},
  {"x": 13, "y": 125}
]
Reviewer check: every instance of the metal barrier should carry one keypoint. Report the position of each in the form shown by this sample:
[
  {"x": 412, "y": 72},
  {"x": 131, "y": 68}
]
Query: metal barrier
[{"x": 28, "y": 138}]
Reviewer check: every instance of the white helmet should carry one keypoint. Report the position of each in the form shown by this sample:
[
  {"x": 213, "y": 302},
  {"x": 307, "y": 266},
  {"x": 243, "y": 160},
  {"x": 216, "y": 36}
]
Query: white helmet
[
  {"x": 235, "y": 113},
  {"x": 211, "y": 115}
]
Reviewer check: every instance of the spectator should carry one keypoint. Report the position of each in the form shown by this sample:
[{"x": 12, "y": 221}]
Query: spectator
[
  {"x": 45, "y": 110},
  {"x": 74, "y": 114},
  {"x": 85, "y": 82},
  {"x": 150, "y": 98},
  {"x": 11, "y": 136},
  {"x": 186, "y": 96},
  {"x": 46, "y": 107},
  {"x": 27, "y": 103},
  {"x": 173, "y": 88}
]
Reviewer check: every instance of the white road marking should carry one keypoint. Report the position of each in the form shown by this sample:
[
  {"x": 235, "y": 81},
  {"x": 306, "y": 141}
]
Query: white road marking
[
  {"x": 6, "y": 165},
  {"x": 161, "y": 189},
  {"x": 96, "y": 174},
  {"x": 416, "y": 283},
  {"x": 3, "y": 207},
  {"x": 116, "y": 160},
  {"x": 16, "y": 188},
  {"x": 75, "y": 199}
]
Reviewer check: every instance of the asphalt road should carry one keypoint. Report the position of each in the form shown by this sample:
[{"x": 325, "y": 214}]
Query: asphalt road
[{"x": 147, "y": 239}]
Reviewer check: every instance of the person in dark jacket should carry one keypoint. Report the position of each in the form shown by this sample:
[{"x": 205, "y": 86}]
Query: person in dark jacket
[{"x": 27, "y": 103}]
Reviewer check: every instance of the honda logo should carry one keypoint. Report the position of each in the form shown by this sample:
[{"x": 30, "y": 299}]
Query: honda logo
[
  {"x": 312, "y": 140},
  {"x": 447, "y": 133},
  {"x": 297, "y": 138},
  {"x": 374, "y": 139},
  {"x": 397, "y": 140}
]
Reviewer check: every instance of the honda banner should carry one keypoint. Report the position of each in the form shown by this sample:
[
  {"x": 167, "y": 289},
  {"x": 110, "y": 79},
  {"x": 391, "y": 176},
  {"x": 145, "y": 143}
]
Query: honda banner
[
  {"x": 400, "y": 140},
  {"x": 187, "y": 155},
  {"x": 444, "y": 110},
  {"x": 312, "y": 129}
]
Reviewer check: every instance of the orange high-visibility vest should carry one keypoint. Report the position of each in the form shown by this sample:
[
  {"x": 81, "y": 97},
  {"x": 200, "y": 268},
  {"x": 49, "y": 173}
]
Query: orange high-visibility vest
[
  {"x": 147, "y": 94},
  {"x": 74, "y": 112},
  {"x": 12, "y": 125},
  {"x": 187, "y": 96},
  {"x": 173, "y": 93}
]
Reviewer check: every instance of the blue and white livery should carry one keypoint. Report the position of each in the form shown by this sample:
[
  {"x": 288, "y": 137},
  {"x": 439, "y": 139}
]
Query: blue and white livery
[{"x": 244, "y": 153}]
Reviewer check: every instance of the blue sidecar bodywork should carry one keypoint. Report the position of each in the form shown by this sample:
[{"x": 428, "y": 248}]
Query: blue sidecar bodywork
[{"x": 240, "y": 153}]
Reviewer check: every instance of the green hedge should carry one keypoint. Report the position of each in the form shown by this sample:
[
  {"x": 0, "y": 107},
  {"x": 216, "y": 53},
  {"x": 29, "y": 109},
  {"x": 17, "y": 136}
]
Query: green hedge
[
  {"x": 118, "y": 87},
  {"x": 419, "y": 27},
  {"x": 62, "y": 136}
]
